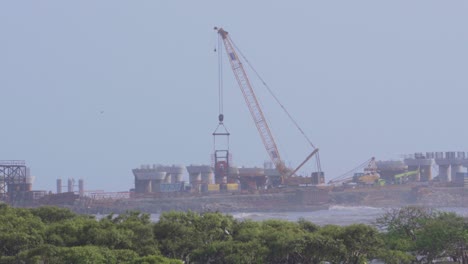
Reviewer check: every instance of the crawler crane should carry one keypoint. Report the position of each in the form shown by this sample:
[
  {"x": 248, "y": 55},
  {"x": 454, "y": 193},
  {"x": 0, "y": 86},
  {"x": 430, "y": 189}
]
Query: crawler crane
[{"x": 257, "y": 113}]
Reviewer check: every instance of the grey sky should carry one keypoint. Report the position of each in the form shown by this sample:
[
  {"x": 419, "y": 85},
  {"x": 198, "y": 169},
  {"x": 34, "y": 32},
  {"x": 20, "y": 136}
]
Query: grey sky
[{"x": 363, "y": 78}]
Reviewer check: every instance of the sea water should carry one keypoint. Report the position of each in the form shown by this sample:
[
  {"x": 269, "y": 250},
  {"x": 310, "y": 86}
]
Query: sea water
[{"x": 336, "y": 215}]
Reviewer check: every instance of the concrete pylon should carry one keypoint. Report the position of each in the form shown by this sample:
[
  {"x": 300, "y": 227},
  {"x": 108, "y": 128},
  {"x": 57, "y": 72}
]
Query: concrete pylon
[
  {"x": 59, "y": 186},
  {"x": 148, "y": 186},
  {"x": 426, "y": 173},
  {"x": 176, "y": 172},
  {"x": 417, "y": 177},
  {"x": 456, "y": 168},
  {"x": 81, "y": 187},
  {"x": 206, "y": 174},
  {"x": 421, "y": 164},
  {"x": 70, "y": 184},
  {"x": 444, "y": 173}
]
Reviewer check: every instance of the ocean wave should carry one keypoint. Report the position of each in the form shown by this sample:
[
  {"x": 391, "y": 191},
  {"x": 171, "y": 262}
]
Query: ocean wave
[
  {"x": 248, "y": 215},
  {"x": 353, "y": 208}
]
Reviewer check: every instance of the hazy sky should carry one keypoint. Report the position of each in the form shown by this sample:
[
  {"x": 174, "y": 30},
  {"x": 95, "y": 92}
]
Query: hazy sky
[{"x": 92, "y": 89}]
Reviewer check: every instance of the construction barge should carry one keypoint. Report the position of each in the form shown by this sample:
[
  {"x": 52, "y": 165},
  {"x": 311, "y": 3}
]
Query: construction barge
[
  {"x": 159, "y": 188},
  {"x": 289, "y": 199}
]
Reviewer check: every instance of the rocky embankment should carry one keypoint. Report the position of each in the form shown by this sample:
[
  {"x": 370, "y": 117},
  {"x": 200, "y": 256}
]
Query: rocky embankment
[
  {"x": 284, "y": 200},
  {"x": 287, "y": 200},
  {"x": 395, "y": 196}
]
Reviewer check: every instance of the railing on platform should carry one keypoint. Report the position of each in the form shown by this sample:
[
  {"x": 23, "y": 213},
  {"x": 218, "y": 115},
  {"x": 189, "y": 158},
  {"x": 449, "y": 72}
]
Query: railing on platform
[
  {"x": 110, "y": 195},
  {"x": 12, "y": 163}
]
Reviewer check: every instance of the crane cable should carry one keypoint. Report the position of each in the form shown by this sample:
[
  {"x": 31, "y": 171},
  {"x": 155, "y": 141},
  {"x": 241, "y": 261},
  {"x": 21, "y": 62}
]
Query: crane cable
[
  {"x": 225, "y": 132},
  {"x": 346, "y": 174},
  {"x": 220, "y": 76},
  {"x": 319, "y": 166},
  {"x": 272, "y": 94}
]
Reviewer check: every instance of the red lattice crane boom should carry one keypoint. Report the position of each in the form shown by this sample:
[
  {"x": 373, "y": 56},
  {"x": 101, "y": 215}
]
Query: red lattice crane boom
[{"x": 252, "y": 103}]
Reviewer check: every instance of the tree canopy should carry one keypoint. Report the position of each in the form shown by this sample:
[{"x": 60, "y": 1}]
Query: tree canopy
[{"x": 54, "y": 235}]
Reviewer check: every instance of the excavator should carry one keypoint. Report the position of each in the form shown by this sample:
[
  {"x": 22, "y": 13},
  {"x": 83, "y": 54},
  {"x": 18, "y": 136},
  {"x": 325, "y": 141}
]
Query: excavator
[
  {"x": 256, "y": 112},
  {"x": 404, "y": 177}
]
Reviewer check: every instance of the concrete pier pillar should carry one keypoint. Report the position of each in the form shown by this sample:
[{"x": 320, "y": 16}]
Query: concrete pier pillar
[
  {"x": 422, "y": 164},
  {"x": 167, "y": 179},
  {"x": 455, "y": 169},
  {"x": 195, "y": 178},
  {"x": 81, "y": 187},
  {"x": 417, "y": 177},
  {"x": 59, "y": 186},
  {"x": 70, "y": 185},
  {"x": 206, "y": 174},
  {"x": 176, "y": 172},
  {"x": 444, "y": 173},
  {"x": 148, "y": 186},
  {"x": 426, "y": 173}
]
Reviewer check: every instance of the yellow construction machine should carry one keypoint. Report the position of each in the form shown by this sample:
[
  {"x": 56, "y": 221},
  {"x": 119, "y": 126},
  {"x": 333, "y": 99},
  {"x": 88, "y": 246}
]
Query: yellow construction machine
[{"x": 370, "y": 176}]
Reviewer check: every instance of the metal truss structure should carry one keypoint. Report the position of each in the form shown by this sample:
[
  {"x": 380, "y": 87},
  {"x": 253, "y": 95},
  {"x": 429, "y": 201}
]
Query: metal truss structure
[{"x": 11, "y": 172}]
